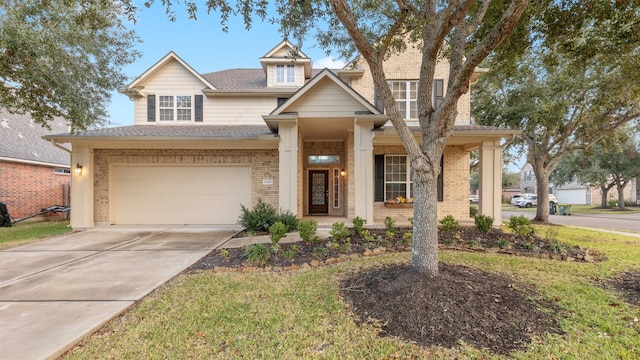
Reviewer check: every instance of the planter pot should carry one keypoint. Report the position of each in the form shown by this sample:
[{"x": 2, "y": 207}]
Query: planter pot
[{"x": 399, "y": 206}]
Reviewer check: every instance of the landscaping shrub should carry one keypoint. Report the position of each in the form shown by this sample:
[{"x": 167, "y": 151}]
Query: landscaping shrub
[
  {"x": 257, "y": 254},
  {"x": 288, "y": 219},
  {"x": 260, "y": 218},
  {"x": 449, "y": 223},
  {"x": 473, "y": 211},
  {"x": 307, "y": 230},
  {"x": 277, "y": 231},
  {"x": 358, "y": 225},
  {"x": 521, "y": 225},
  {"x": 390, "y": 225},
  {"x": 484, "y": 223},
  {"x": 339, "y": 231},
  {"x": 612, "y": 203}
]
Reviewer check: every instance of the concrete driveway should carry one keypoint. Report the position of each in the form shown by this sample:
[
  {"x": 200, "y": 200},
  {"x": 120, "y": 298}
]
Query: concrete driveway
[{"x": 55, "y": 292}]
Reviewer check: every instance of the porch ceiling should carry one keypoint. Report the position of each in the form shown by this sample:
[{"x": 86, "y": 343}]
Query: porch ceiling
[{"x": 318, "y": 129}]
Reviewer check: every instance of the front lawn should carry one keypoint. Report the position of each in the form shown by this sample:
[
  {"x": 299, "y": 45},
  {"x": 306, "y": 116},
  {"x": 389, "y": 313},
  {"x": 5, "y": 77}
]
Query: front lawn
[
  {"x": 25, "y": 232},
  {"x": 308, "y": 314}
]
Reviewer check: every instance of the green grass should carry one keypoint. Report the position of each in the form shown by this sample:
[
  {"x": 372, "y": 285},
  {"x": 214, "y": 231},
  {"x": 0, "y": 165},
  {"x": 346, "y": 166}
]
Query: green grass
[
  {"x": 300, "y": 314},
  {"x": 579, "y": 209},
  {"x": 25, "y": 232}
]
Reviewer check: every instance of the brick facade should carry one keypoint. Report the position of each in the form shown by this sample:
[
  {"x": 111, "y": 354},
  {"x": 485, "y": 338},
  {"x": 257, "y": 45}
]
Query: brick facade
[
  {"x": 264, "y": 165},
  {"x": 27, "y": 188},
  {"x": 456, "y": 186}
]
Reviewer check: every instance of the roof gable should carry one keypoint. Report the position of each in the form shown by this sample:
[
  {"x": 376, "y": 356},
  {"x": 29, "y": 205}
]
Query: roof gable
[
  {"x": 171, "y": 57},
  {"x": 285, "y": 50},
  {"x": 319, "y": 86}
]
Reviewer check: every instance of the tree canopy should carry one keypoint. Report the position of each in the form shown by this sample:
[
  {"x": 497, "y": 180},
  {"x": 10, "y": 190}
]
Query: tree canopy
[
  {"x": 63, "y": 58},
  {"x": 575, "y": 84}
]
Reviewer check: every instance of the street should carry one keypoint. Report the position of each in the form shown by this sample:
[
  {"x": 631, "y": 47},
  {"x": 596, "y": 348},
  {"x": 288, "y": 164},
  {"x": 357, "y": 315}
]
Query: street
[{"x": 615, "y": 222}]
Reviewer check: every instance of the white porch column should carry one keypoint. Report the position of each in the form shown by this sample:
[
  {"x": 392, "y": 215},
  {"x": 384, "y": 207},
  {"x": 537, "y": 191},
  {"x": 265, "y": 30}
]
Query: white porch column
[
  {"x": 288, "y": 161},
  {"x": 363, "y": 165},
  {"x": 491, "y": 180},
  {"x": 82, "y": 187}
]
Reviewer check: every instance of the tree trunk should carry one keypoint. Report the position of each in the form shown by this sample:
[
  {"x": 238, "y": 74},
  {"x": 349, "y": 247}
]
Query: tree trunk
[
  {"x": 620, "y": 186},
  {"x": 542, "y": 181},
  {"x": 605, "y": 194},
  {"x": 424, "y": 255}
]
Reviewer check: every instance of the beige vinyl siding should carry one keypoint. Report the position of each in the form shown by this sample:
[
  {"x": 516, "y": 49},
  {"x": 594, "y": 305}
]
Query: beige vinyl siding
[
  {"x": 326, "y": 99},
  {"x": 237, "y": 110},
  {"x": 173, "y": 79}
]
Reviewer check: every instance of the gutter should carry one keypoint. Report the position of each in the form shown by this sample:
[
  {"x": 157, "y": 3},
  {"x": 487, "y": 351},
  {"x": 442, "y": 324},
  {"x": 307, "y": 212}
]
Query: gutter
[{"x": 54, "y": 143}]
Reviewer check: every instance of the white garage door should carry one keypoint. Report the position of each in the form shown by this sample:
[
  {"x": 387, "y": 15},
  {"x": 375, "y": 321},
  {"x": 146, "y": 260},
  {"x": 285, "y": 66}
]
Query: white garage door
[
  {"x": 571, "y": 196},
  {"x": 177, "y": 195}
]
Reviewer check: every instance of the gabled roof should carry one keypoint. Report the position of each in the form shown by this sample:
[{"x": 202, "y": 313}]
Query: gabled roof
[
  {"x": 21, "y": 141},
  {"x": 285, "y": 52},
  {"x": 285, "y": 47},
  {"x": 169, "y": 132},
  {"x": 132, "y": 89},
  {"x": 325, "y": 74}
]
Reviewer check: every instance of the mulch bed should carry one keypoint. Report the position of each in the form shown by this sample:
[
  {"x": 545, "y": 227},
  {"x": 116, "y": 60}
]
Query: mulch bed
[
  {"x": 628, "y": 284},
  {"x": 462, "y": 305}
]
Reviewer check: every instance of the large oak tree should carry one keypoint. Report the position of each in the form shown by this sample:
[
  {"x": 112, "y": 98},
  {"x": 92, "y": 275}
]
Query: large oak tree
[
  {"x": 63, "y": 57},
  {"x": 576, "y": 84}
]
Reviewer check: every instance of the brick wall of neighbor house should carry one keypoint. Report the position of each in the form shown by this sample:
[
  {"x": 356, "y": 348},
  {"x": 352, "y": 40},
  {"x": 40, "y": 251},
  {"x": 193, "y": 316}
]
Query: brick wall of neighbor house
[
  {"x": 456, "y": 187},
  {"x": 264, "y": 165},
  {"x": 28, "y": 188},
  {"x": 596, "y": 194}
]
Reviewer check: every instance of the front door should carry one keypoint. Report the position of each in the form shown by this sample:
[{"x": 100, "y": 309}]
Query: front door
[{"x": 318, "y": 192}]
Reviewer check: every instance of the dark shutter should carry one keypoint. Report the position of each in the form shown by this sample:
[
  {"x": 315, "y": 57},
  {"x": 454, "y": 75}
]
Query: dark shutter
[
  {"x": 441, "y": 180},
  {"x": 151, "y": 108},
  {"x": 379, "y": 177},
  {"x": 438, "y": 92},
  {"x": 377, "y": 101},
  {"x": 198, "y": 101}
]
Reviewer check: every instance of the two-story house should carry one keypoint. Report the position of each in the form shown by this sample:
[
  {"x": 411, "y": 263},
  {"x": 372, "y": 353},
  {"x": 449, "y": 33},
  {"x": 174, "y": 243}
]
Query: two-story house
[{"x": 305, "y": 140}]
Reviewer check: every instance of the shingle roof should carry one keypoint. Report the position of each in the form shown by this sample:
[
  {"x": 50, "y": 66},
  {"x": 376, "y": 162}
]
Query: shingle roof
[
  {"x": 241, "y": 79},
  {"x": 175, "y": 131},
  {"x": 21, "y": 139},
  {"x": 460, "y": 128}
]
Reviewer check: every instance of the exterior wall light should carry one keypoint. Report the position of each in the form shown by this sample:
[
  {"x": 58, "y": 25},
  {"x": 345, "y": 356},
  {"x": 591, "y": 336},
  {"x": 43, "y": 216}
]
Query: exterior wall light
[
  {"x": 343, "y": 173},
  {"x": 78, "y": 169}
]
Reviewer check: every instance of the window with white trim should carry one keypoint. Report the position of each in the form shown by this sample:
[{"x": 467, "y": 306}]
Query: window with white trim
[
  {"x": 406, "y": 94},
  {"x": 336, "y": 188},
  {"x": 397, "y": 177},
  {"x": 285, "y": 73},
  {"x": 175, "y": 108}
]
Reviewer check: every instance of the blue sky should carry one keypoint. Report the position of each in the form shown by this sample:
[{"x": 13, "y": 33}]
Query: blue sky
[{"x": 203, "y": 45}]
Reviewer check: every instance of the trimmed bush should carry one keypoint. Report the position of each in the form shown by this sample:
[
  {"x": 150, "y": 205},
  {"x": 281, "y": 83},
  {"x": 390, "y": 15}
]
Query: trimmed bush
[
  {"x": 521, "y": 225},
  {"x": 358, "y": 225},
  {"x": 449, "y": 223},
  {"x": 260, "y": 218},
  {"x": 484, "y": 223},
  {"x": 289, "y": 220},
  {"x": 473, "y": 211},
  {"x": 258, "y": 254},
  {"x": 307, "y": 230},
  {"x": 339, "y": 231},
  {"x": 277, "y": 231}
]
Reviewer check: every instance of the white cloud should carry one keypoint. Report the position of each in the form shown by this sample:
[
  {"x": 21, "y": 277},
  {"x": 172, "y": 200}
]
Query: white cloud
[{"x": 328, "y": 62}]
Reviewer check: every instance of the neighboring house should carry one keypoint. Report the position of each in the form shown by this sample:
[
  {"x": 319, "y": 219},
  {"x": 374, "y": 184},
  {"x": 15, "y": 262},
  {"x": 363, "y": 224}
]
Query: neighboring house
[
  {"x": 34, "y": 173},
  {"x": 309, "y": 141},
  {"x": 572, "y": 192}
]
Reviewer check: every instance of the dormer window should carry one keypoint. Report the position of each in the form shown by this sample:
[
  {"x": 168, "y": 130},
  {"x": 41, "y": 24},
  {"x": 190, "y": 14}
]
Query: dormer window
[
  {"x": 285, "y": 73},
  {"x": 175, "y": 108}
]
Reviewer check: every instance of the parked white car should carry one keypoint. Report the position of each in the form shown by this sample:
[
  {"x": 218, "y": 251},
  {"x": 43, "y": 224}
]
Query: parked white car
[
  {"x": 532, "y": 200},
  {"x": 527, "y": 201},
  {"x": 474, "y": 199},
  {"x": 518, "y": 197}
]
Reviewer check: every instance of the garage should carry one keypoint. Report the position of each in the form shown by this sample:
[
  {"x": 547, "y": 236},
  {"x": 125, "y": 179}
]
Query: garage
[
  {"x": 178, "y": 194},
  {"x": 572, "y": 196}
]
